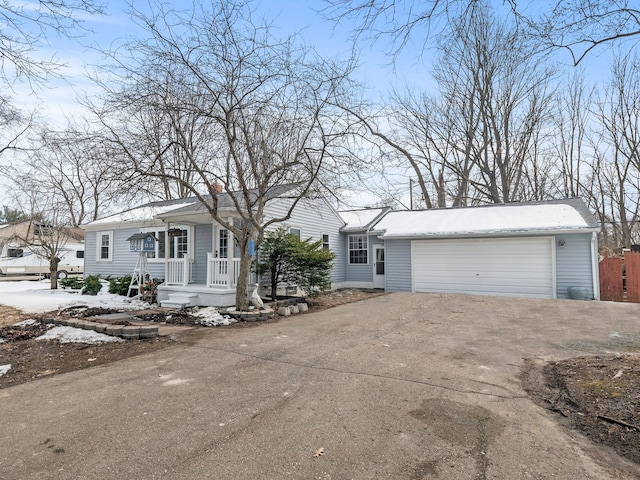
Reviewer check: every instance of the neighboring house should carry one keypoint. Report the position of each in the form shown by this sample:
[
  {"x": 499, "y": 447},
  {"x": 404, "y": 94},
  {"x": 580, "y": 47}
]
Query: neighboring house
[
  {"x": 197, "y": 257},
  {"x": 9, "y": 238},
  {"x": 537, "y": 249},
  {"x": 519, "y": 249}
]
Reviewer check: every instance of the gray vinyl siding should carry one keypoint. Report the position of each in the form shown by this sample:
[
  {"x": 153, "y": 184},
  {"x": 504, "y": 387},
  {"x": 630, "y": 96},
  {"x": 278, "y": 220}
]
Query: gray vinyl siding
[
  {"x": 360, "y": 272},
  {"x": 314, "y": 218},
  {"x": 573, "y": 264},
  {"x": 202, "y": 245},
  {"x": 123, "y": 261},
  {"x": 398, "y": 265}
]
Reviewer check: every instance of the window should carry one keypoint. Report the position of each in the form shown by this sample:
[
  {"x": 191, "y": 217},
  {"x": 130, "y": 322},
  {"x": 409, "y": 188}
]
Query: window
[
  {"x": 15, "y": 252},
  {"x": 358, "y": 249},
  {"x": 179, "y": 244},
  {"x": 325, "y": 241},
  {"x": 296, "y": 232},
  {"x": 223, "y": 244},
  {"x": 105, "y": 246},
  {"x": 42, "y": 229},
  {"x": 79, "y": 253}
]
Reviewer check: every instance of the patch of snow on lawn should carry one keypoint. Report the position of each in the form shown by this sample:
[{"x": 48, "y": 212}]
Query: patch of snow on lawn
[
  {"x": 210, "y": 317},
  {"x": 37, "y": 297},
  {"x": 4, "y": 369},
  {"x": 25, "y": 323},
  {"x": 77, "y": 335},
  {"x": 2, "y": 340}
]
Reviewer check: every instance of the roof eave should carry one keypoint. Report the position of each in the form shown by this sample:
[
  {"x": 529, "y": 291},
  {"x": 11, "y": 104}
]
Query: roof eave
[
  {"x": 502, "y": 233},
  {"x": 151, "y": 222}
]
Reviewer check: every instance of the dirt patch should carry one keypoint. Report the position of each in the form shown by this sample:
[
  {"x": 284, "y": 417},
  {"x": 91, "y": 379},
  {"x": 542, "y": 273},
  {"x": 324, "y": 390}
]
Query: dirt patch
[
  {"x": 341, "y": 297},
  {"x": 34, "y": 359},
  {"x": 598, "y": 396},
  {"x": 10, "y": 315}
]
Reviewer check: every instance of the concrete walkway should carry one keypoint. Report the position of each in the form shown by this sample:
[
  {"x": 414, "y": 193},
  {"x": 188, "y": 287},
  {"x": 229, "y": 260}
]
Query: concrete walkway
[{"x": 405, "y": 386}]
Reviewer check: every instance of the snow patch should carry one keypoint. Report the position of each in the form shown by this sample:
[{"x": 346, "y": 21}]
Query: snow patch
[
  {"x": 357, "y": 219},
  {"x": 4, "y": 369},
  {"x": 25, "y": 323},
  {"x": 37, "y": 297},
  {"x": 211, "y": 317},
  {"x": 77, "y": 335},
  {"x": 140, "y": 214}
]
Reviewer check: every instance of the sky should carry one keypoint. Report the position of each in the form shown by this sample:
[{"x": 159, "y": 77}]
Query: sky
[
  {"x": 58, "y": 101},
  {"x": 289, "y": 17}
]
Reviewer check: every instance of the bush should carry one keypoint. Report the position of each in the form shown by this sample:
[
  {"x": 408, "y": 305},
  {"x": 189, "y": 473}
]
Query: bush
[
  {"x": 74, "y": 283},
  {"x": 92, "y": 285},
  {"x": 120, "y": 286},
  {"x": 286, "y": 258}
]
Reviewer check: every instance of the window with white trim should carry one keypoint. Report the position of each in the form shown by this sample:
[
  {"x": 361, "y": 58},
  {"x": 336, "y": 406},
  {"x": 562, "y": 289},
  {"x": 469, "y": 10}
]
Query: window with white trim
[
  {"x": 358, "y": 250},
  {"x": 179, "y": 245},
  {"x": 223, "y": 244},
  {"x": 104, "y": 245}
]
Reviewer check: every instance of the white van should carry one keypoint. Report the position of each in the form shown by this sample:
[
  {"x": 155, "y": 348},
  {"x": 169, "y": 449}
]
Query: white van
[{"x": 22, "y": 261}]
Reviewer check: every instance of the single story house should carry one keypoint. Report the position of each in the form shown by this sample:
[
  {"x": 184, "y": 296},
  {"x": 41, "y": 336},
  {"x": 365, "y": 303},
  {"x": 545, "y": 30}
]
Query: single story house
[
  {"x": 537, "y": 249},
  {"x": 194, "y": 255}
]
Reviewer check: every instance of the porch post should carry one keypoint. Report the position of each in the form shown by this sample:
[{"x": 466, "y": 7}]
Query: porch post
[
  {"x": 185, "y": 271},
  {"x": 167, "y": 254},
  {"x": 230, "y": 249}
]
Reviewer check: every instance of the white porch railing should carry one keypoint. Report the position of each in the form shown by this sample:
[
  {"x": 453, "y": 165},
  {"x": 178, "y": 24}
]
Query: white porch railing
[
  {"x": 178, "y": 271},
  {"x": 218, "y": 273}
]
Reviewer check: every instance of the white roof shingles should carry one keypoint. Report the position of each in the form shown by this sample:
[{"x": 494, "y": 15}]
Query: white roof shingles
[{"x": 486, "y": 220}]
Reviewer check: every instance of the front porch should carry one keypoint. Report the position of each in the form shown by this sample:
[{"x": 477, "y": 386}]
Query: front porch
[{"x": 219, "y": 290}]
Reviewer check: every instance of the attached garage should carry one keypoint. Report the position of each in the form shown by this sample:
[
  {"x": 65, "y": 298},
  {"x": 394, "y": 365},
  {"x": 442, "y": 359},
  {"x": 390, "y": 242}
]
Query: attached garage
[
  {"x": 538, "y": 249},
  {"x": 500, "y": 266}
]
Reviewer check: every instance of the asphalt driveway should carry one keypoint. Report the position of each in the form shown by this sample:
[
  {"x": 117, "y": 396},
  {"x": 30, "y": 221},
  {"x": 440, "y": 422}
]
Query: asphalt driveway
[{"x": 404, "y": 386}]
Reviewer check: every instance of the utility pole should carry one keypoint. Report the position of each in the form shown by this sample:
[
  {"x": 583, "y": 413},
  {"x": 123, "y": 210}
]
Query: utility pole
[{"x": 411, "y": 194}]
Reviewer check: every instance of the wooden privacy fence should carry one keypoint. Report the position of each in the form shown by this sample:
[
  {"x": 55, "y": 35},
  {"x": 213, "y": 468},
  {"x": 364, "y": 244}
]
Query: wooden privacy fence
[{"x": 620, "y": 276}]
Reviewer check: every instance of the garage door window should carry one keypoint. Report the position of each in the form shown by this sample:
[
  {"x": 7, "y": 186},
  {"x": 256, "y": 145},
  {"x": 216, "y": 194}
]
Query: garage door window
[{"x": 358, "y": 249}]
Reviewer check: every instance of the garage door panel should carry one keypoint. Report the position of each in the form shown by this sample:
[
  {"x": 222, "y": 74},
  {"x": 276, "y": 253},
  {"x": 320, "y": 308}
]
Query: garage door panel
[{"x": 519, "y": 267}]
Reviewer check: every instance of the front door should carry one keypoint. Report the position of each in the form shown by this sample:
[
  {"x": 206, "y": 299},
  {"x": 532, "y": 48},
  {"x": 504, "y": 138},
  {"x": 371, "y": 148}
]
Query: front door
[{"x": 378, "y": 267}]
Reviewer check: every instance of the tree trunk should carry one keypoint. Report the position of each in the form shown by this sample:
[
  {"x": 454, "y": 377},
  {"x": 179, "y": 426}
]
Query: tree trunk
[
  {"x": 274, "y": 281},
  {"x": 242, "y": 286},
  {"x": 53, "y": 272}
]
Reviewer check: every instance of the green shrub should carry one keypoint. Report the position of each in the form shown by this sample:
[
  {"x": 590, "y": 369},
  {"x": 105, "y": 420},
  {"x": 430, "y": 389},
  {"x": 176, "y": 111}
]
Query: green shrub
[
  {"x": 74, "y": 283},
  {"x": 92, "y": 285},
  {"x": 120, "y": 286},
  {"x": 287, "y": 259}
]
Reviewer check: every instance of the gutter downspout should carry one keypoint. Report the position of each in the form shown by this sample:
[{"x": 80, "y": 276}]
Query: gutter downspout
[{"x": 594, "y": 266}]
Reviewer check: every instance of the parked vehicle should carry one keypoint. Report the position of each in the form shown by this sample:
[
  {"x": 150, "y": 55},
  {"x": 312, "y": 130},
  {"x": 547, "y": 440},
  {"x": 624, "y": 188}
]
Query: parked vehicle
[{"x": 27, "y": 262}]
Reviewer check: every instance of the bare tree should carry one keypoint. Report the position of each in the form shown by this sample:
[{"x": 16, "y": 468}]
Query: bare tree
[
  {"x": 480, "y": 136},
  {"x": 48, "y": 231},
  {"x": 577, "y": 26},
  {"x": 619, "y": 148},
  {"x": 236, "y": 106},
  {"x": 77, "y": 168},
  {"x": 571, "y": 128},
  {"x": 25, "y": 26}
]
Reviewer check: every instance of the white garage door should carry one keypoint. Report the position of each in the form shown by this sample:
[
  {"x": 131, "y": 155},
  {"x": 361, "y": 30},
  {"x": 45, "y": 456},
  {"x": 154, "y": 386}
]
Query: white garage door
[{"x": 522, "y": 267}]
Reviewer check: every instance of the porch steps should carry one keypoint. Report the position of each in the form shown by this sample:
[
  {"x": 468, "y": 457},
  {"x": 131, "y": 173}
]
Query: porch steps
[{"x": 180, "y": 300}]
